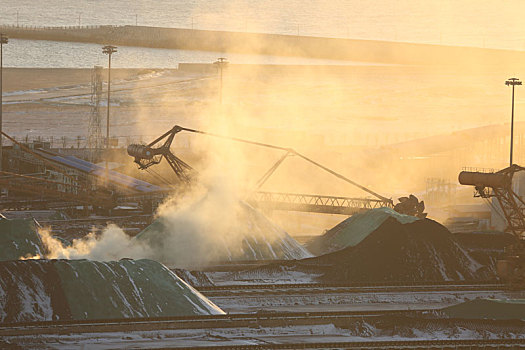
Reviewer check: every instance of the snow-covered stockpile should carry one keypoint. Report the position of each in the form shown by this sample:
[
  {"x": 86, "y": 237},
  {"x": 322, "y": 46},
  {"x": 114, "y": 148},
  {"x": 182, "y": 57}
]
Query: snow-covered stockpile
[
  {"x": 241, "y": 234},
  {"x": 37, "y": 290}
]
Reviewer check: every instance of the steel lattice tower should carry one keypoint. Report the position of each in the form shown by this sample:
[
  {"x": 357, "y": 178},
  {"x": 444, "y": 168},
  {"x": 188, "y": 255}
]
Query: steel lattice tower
[{"x": 94, "y": 142}]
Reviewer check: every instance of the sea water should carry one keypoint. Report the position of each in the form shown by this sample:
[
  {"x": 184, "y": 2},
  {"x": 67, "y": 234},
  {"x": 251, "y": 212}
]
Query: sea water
[{"x": 489, "y": 23}]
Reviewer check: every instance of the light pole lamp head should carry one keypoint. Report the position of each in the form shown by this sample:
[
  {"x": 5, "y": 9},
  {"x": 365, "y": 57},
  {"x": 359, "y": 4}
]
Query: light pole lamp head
[
  {"x": 109, "y": 49},
  {"x": 513, "y": 81},
  {"x": 221, "y": 61},
  {"x": 3, "y": 38}
]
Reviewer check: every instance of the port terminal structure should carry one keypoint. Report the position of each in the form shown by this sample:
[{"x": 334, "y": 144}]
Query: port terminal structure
[
  {"x": 66, "y": 181},
  {"x": 498, "y": 185},
  {"x": 153, "y": 153}
]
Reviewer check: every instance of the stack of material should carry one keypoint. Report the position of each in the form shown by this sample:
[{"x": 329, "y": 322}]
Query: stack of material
[
  {"x": 419, "y": 250},
  {"x": 496, "y": 309},
  {"x": 422, "y": 250},
  {"x": 43, "y": 290},
  {"x": 19, "y": 238},
  {"x": 248, "y": 236},
  {"x": 486, "y": 247},
  {"x": 353, "y": 230}
]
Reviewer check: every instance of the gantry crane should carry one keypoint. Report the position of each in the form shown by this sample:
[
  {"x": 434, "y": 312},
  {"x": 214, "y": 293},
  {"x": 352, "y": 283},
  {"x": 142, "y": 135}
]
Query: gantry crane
[{"x": 498, "y": 185}]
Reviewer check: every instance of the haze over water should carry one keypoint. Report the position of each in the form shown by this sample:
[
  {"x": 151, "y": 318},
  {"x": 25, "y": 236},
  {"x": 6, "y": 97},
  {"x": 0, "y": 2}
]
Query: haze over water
[
  {"x": 464, "y": 22},
  {"x": 489, "y": 24}
]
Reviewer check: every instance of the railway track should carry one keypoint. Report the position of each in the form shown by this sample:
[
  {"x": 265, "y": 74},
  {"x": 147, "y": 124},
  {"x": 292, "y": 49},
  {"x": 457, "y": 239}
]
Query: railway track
[
  {"x": 399, "y": 344},
  {"x": 314, "y": 288},
  {"x": 259, "y": 319},
  {"x": 51, "y": 332},
  {"x": 190, "y": 321}
]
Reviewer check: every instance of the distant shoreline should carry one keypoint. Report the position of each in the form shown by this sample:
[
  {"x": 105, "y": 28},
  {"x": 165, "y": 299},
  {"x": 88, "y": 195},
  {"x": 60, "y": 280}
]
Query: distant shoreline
[
  {"x": 18, "y": 79},
  {"x": 27, "y": 78},
  {"x": 372, "y": 51}
]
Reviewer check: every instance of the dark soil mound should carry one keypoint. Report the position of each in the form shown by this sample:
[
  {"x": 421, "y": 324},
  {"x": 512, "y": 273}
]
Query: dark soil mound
[{"x": 423, "y": 250}]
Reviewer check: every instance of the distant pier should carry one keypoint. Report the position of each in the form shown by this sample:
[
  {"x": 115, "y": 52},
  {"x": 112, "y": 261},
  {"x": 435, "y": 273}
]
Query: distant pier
[{"x": 373, "y": 51}]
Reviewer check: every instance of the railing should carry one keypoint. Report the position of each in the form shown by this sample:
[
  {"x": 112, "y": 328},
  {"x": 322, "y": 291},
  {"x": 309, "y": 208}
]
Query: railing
[
  {"x": 51, "y": 189},
  {"x": 479, "y": 170},
  {"x": 38, "y": 28},
  {"x": 81, "y": 142},
  {"x": 315, "y": 203}
]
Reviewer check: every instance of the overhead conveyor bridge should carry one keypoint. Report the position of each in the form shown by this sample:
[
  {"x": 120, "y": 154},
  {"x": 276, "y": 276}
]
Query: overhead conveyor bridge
[{"x": 314, "y": 203}]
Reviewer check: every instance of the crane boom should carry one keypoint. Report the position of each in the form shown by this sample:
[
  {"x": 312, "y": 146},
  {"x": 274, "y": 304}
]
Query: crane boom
[{"x": 148, "y": 155}]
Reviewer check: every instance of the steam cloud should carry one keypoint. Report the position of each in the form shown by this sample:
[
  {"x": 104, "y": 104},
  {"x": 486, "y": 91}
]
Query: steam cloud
[
  {"x": 205, "y": 218},
  {"x": 112, "y": 244},
  {"x": 210, "y": 224}
]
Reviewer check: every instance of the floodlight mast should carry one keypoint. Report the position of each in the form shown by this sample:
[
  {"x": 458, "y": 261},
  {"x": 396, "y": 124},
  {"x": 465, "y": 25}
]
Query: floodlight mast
[
  {"x": 3, "y": 40},
  {"x": 512, "y": 82},
  {"x": 108, "y": 50},
  {"x": 221, "y": 63}
]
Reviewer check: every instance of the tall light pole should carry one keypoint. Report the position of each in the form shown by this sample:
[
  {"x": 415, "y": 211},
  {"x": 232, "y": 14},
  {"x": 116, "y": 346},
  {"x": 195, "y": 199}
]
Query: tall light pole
[
  {"x": 221, "y": 63},
  {"x": 3, "y": 40},
  {"x": 108, "y": 50},
  {"x": 512, "y": 82}
]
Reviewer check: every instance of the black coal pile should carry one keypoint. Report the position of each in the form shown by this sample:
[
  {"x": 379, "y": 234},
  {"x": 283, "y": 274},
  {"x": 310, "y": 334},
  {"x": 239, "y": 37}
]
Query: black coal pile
[
  {"x": 351, "y": 231},
  {"x": 419, "y": 251},
  {"x": 423, "y": 250},
  {"x": 486, "y": 247}
]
